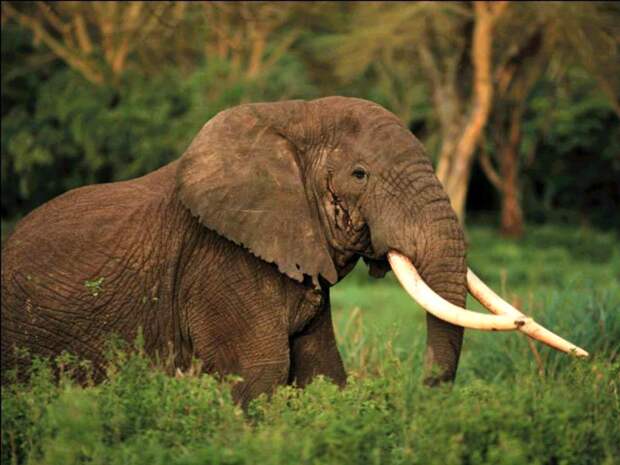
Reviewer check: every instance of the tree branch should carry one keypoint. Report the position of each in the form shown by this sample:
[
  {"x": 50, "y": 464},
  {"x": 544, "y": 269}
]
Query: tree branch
[
  {"x": 282, "y": 48},
  {"x": 488, "y": 168},
  {"x": 132, "y": 15},
  {"x": 53, "y": 18},
  {"x": 87, "y": 70},
  {"x": 428, "y": 63},
  {"x": 82, "y": 35}
]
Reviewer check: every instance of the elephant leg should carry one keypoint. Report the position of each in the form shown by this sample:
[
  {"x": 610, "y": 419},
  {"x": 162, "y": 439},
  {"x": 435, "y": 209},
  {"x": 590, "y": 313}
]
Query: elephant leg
[
  {"x": 314, "y": 352},
  {"x": 261, "y": 359},
  {"x": 261, "y": 378}
]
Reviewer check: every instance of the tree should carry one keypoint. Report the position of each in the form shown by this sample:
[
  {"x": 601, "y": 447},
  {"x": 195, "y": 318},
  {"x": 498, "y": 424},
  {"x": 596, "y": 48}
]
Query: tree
[
  {"x": 514, "y": 79},
  {"x": 242, "y": 33},
  {"x": 536, "y": 36},
  {"x": 454, "y": 166},
  {"x": 96, "y": 38},
  {"x": 476, "y": 59},
  {"x": 447, "y": 44},
  {"x": 115, "y": 105}
]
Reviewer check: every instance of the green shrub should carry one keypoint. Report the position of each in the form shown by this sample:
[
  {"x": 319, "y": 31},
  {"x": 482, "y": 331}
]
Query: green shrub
[{"x": 143, "y": 416}]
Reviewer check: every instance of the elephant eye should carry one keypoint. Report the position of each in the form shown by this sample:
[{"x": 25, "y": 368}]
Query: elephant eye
[{"x": 359, "y": 173}]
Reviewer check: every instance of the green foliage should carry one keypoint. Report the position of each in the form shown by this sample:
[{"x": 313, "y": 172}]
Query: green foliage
[
  {"x": 140, "y": 415},
  {"x": 571, "y": 147},
  {"x": 60, "y": 131},
  {"x": 70, "y": 132},
  {"x": 511, "y": 403}
]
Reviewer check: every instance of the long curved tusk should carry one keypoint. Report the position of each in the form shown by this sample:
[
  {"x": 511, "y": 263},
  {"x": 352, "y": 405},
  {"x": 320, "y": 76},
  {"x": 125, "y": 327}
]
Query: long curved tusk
[
  {"x": 499, "y": 306},
  {"x": 441, "y": 308}
]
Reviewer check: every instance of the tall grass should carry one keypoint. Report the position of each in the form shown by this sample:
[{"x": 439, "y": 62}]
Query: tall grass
[{"x": 513, "y": 402}]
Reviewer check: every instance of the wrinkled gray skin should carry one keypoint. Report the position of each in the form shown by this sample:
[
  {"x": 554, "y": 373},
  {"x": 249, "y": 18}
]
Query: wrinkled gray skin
[{"x": 228, "y": 254}]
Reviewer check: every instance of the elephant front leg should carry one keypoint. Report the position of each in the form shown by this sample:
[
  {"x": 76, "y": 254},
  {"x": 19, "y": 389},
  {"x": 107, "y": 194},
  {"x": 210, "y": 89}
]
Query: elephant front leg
[
  {"x": 314, "y": 351},
  {"x": 261, "y": 364},
  {"x": 258, "y": 353},
  {"x": 258, "y": 379}
]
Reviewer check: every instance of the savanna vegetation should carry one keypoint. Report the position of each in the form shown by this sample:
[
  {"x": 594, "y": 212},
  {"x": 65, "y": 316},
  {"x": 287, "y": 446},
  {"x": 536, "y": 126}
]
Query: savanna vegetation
[{"x": 517, "y": 104}]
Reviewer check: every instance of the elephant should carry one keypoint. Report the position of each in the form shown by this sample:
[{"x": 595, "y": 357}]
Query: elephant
[{"x": 228, "y": 254}]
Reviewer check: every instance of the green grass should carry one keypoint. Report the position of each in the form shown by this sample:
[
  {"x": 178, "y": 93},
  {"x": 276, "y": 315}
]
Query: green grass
[{"x": 512, "y": 403}]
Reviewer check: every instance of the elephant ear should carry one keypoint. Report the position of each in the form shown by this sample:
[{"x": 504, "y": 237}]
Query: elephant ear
[{"x": 241, "y": 176}]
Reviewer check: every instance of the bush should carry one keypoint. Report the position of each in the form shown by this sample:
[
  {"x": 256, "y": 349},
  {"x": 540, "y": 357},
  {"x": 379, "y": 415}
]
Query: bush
[{"x": 140, "y": 415}]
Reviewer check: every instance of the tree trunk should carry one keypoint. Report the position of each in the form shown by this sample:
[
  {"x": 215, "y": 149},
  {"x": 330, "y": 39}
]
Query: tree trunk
[
  {"x": 455, "y": 177},
  {"x": 512, "y": 213}
]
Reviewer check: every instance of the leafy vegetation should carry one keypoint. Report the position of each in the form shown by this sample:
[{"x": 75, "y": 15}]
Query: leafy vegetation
[
  {"x": 68, "y": 132},
  {"x": 513, "y": 402}
]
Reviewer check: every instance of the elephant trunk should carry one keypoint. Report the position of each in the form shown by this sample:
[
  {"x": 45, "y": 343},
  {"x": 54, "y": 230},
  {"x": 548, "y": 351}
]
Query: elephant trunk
[
  {"x": 425, "y": 232},
  {"x": 424, "y": 244},
  {"x": 440, "y": 257}
]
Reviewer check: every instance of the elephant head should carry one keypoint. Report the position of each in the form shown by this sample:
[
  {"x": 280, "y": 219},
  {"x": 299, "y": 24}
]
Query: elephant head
[{"x": 313, "y": 186}]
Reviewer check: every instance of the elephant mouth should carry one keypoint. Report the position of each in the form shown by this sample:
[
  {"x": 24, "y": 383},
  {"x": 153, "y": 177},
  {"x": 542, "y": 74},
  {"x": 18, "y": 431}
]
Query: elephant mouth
[
  {"x": 377, "y": 267},
  {"x": 505, "y": 318}
]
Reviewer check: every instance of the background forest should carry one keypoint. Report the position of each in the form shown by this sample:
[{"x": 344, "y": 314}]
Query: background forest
[{"x": 517, "y": 103}]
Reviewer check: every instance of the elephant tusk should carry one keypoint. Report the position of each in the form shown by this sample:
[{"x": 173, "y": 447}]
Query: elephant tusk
[
  {"x": 433, "y": 303},
  {"x": 499, "y": 306}
]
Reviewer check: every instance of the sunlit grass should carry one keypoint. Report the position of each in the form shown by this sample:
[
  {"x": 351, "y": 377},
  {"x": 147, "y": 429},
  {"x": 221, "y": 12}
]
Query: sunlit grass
[{"x": 568, "y": 279}]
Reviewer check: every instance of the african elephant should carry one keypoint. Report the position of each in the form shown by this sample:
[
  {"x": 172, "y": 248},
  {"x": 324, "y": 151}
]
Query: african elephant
[{"x": 228, "y": 254}]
